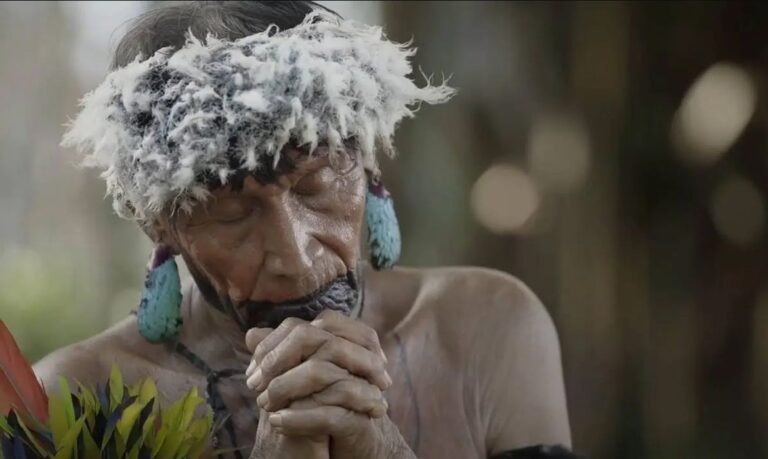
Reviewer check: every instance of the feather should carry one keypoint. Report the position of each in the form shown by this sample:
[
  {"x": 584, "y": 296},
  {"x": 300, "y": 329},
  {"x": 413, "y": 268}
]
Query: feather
[
  {"x": 19, "y": 387},
  {"x": 157, "y": 126}
]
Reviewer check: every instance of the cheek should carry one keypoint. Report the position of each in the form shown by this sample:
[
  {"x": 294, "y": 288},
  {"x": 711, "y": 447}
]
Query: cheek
[
  {"x": 214, "y": 256},
  {"x": 339, "y": 227}
]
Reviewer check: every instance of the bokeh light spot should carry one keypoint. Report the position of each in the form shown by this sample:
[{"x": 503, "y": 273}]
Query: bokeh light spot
[
  {"x": 504, "y": 199},
  {"x": 559, "y": 151},
  {"x": 738, "y": 211},
  {"x": 713, "y": 113}
]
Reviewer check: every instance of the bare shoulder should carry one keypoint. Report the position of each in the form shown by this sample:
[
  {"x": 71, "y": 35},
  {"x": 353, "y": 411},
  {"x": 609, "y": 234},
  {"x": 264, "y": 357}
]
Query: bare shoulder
[
  {"x": 88, "y": 361},
  {"x": 485, "y": 299},
  {"x": 494, "y": 328}
]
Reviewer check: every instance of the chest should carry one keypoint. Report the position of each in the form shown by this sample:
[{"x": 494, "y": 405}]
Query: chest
[{"x": 432, "y": 400}]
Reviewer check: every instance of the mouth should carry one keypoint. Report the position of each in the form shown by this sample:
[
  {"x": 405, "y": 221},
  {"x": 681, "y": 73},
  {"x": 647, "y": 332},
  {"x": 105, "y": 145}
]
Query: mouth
[{"x": 342, "y": 294}]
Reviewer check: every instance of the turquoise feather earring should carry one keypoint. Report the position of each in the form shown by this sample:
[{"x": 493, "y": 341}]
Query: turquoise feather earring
[
  {"x": 383, "y": 230},
  {"x": 159, "y": 313}
]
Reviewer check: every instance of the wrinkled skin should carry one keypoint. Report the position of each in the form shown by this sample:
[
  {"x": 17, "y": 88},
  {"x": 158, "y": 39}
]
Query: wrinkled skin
[{"x": 443, "y": 363}]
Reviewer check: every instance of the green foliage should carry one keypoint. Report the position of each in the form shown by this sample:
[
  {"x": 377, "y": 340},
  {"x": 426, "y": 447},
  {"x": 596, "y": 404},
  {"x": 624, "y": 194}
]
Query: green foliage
[
  {"x": 37, "y": 289},
  {"x": 114, "y": 421}
]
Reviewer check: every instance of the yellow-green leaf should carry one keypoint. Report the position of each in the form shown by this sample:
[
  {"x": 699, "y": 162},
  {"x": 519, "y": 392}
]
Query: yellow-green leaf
[
  {"x": 200, "y": 432},
  {"x": 149, "y": 426},
  {"x": 115, "y": 388},
  {"x": 91, "y": 448},
  {"x": 147, "y": 391},
  {"x": 171, "y": 445},
  {"x": 68, "y": 444},
  {"x": 173, "y": 413},
  {"x": 89, "y": 404},
  {"x": 125, "y": 424},
  {"x": 57, "y": 418},
  {"x": 66, "y": 399},
  {"x": 191, "y": 400},
  {"x": 32, "y": 438},
  {"x": 159, "y": 440},
  {"x": 133, "y": 389},
  {"x": 4, "y": 426},
  {"x": 183, "y": 450}
]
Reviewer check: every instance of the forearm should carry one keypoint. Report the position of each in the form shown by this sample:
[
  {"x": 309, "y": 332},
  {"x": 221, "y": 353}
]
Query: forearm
[{"x": 397, "y": 446}]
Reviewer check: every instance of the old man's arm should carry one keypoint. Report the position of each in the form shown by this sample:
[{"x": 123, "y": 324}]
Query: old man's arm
[{"x": 519, "y": 373}]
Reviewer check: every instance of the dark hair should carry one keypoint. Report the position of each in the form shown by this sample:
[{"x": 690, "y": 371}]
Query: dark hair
[{"x": 230, "y": 20}]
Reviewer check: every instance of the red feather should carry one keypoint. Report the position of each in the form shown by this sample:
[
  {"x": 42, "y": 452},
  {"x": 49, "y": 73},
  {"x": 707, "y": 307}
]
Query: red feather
[{"x": 19, "y": 387}]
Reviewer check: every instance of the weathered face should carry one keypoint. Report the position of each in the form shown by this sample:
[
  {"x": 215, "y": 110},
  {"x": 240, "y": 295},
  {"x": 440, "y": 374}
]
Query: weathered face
[{"x": 271, "y": 243}]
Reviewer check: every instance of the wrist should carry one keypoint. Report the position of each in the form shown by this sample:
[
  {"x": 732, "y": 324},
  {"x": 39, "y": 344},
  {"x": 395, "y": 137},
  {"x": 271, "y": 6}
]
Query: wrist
[
  {"x": 401, "y": 452},
  {"x": 394, "y": 444}
]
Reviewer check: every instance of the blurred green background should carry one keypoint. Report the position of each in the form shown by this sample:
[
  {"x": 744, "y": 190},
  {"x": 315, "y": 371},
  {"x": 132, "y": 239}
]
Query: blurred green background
[{"x": 611, "y": 155}]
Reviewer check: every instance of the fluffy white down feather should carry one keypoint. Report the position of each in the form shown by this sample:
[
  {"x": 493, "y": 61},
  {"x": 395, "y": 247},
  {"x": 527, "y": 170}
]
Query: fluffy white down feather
[{"x": 160, "y": 128}]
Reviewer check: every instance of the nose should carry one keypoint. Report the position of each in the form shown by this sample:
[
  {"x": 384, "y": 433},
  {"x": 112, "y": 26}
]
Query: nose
[{"x": 289, "y": 249}]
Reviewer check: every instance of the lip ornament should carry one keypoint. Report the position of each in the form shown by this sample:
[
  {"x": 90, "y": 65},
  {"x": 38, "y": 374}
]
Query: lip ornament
[{"x": 340, "y": 295}]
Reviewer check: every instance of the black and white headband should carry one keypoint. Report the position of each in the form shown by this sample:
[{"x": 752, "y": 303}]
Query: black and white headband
[{"x": 158, "y": 126}]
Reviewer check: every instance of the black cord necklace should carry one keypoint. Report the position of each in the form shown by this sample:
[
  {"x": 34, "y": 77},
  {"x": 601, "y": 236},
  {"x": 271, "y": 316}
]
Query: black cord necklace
[
  {"x": 221, "y": 414},
  {"x": 213, "y": 394}
]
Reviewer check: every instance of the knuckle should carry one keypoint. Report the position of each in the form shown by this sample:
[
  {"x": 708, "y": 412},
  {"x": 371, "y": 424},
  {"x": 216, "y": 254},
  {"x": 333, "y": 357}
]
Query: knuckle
[
  {"x": 303, "y": 329},
  {"x": 368, "y": 391},
  {"x": 374, "y": 361},
  {"x": 268, "y": 363},
  {"x": 355, "y": 393},
  {"x": 346, "y": 389},
  {"x": 303, "y": 403},
  {"x": 250, "y": 335},
  {"x": 332, "y": 395},
  {"x": 328, "y": 314},
  {"x": 314, "y": 368},
  {"x": 378, "y": 408},
  {"x": 359, "y": 391},
  {"x": 323, "y": 323},
  {"x": 259, "y": 351},
  {"x": 290, "y": 323},
  {"x": 276, "y": 391},
  {"x": 371, "y": 337},
  {"x": 315, "y": 372},
  {"x": 329, "y": 350},
  {"x": 374, "y": 364}
]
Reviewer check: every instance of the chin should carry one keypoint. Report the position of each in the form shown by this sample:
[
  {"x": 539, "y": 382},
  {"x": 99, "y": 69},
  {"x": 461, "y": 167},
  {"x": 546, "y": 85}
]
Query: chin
[{"x": 342, "y": 294}]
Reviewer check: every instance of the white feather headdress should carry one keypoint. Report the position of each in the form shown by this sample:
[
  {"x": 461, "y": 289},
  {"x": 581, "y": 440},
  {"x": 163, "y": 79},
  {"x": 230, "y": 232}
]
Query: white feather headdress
[{"x": 158, "y": 127}]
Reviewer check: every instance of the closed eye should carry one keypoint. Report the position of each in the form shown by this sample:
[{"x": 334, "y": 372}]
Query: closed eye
[
  {"x": 315, "y": 182},
  {"x": 223, "y": 212}
]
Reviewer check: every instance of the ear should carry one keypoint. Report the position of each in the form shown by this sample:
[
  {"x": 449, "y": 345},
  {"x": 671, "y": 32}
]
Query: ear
[{"x": 160, "y": 231}]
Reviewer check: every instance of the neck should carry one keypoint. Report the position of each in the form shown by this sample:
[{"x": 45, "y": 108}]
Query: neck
[{"x": 214, "y": 333}]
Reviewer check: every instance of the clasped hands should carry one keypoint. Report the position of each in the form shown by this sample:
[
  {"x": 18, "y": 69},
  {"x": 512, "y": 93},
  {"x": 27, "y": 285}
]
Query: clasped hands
[{"x": 325, "y": 379}]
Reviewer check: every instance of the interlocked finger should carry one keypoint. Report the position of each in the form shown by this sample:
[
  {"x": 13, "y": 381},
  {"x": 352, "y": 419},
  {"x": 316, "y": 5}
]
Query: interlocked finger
[
  {"x": 350, "y": 329},
  {"x": 300, "y": 382},
  {"x": 305, "y": 341},
  {"x": 325, "y": 383}
]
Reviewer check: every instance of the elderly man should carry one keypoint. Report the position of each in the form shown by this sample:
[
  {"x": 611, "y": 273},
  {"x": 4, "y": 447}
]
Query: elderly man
[{"x": 242, "y": 137}]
